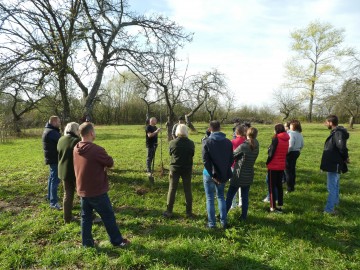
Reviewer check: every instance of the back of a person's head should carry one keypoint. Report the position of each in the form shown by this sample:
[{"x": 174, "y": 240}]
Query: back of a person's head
[
  {"x": 181, "y": 131},
  {"x": 279, "y": 128},
  {"x": 296, "y": 125},
  {"x": 182, "y": 118},
  {"x": 85, "y": 128},
  {"x": 252, "y": 132},
  {"x": 240, "y": 130},
  {"x": 215, "y": 125},
  {"x": 71, "y": 127},
  {"x": 333, "y": 119}
]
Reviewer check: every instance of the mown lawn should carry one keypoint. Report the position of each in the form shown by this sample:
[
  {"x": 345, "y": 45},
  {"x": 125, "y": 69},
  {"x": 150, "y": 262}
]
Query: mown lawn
[{"x": 34, "y": 236}]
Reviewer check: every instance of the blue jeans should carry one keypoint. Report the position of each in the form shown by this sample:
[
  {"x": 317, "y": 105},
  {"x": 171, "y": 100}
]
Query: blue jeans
[
  {"x": 333, "y": 187},
  {"x": 244, "y": 199},
  {"x": 101, "y": 204},
  {"x": 53, "y": 183},
  {"x": 210, "y": 188}
]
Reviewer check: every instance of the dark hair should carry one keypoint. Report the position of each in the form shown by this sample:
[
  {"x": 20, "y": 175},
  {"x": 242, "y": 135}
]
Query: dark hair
[
  {"x": 333, "y": 119},
  {"x": 240, "y": 129},
  {"x": 85, "y": 128},
  {"x": 296, "y": 124},
  {"x": 279, "y": 128},
  {"x": 287, "y": 124},
  {"x": 252, "y": 134},
  {"x": 246, "y": 125},
  {"x": 215, "y": 125},
  {"x": 181, "y": 118}
]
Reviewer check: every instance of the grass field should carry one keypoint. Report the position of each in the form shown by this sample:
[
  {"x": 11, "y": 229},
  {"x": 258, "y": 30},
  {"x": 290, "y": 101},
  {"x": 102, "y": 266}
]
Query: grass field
[{"x": 33, "y": 236}]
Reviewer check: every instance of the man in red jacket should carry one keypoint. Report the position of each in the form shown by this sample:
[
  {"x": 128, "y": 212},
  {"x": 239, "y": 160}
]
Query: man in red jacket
[{"x": 90, "y": 164}]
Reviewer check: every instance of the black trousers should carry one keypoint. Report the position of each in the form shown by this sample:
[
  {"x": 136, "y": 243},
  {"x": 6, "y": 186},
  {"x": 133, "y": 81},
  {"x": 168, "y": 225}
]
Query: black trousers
[
  {"x": 275, "y": 181},
  {"x": 290, "y": 171}
]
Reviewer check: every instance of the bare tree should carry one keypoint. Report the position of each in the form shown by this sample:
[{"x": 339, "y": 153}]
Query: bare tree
[{"x": 287, "y": 102}]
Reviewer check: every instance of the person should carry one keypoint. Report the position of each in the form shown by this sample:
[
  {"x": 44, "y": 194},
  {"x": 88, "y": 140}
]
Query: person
[
  {"x": 296, "y": 143},
  {"x": 65, "y": 149},
  {"x": 217, "y": 156},
  {"x": 181, "y": 150},
  {"x": 90, "y": 165},
  {"x": 50, "y": 138},
  {"x": 276, "y": 165},
  {"x": 240, "y": 137},
  {"x": 245, "y": 156},
  {"x": 334, "y": 160},
  {"x": 151, "y": 143},
  {"x": 173, "y": 131},
  {"x": 236, "y": 123}
]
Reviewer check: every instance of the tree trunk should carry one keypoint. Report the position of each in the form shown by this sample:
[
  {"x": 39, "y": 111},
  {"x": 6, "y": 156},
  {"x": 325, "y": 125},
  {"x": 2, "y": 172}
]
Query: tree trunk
[
  {"x": 189, "y": 124},
  {"x": 64, "y": 98},
  {"x": 351, "y": 122}
]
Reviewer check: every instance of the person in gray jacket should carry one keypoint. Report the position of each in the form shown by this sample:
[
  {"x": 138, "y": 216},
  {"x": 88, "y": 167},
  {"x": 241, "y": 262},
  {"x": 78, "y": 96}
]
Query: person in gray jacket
[{"x": 245, "y": 156}]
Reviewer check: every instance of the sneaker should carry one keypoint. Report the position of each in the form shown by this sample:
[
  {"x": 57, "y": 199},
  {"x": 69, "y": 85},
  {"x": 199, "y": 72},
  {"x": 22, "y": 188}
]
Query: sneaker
[
  {"x": 56, "y": 206},
  {"x": 333, "y": 213},
  {"x": 167, "y": 214},
  {"x": 276, "y": 210},
  {"x": 123, "y": 244},
  {"x": 149, "y": 174},
  {"x": 267, "y": 199}
]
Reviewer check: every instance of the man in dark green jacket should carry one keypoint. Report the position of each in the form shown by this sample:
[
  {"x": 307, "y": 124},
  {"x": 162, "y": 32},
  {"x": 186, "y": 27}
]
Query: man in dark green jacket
[{"x": 182, "y": 150}]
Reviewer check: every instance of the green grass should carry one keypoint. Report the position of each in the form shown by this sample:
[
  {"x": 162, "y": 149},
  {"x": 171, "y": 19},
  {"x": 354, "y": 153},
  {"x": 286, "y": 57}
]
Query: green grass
[{"x": 34, "y": 236}]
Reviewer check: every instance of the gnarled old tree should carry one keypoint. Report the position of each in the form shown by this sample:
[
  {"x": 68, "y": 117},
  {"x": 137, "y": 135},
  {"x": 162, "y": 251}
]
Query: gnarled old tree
[
  {"x": 82, "y": 38},
  {"x": 318, "y": 48}
]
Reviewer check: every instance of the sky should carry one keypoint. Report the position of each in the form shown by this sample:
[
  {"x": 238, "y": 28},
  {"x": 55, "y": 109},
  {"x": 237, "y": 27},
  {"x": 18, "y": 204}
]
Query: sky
[{"x": 249, "y": 40}]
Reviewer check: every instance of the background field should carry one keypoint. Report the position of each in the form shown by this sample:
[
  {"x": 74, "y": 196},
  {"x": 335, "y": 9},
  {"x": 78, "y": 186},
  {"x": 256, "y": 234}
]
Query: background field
[{"x": 34, "y": 236}]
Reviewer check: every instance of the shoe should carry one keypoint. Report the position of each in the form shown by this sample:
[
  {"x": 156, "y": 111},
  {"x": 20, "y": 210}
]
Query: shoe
[
  {"x": 56, "y": 206},
  {"x": 267, "y": 199},
  {"x": 149, "y": 174},
  {"x": 276, "y": 210},
  {"x": 190, "y": 215},
  {"x": 333, "y": 213},
  {"x": 123, "y": 244},
  {"x": 167, "y": 214}
]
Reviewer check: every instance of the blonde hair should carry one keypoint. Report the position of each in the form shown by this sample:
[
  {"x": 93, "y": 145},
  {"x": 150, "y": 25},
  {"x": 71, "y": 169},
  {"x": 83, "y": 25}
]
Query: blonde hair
[
  {"x": 53, "y": 119},
  {"x": 72, "y": 127},
  {"x": 181, "y": 130}
]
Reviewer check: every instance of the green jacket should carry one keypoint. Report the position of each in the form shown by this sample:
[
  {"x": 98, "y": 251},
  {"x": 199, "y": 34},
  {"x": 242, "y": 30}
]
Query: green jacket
[
  {"x": 182, "y": 150},
  {"x": 65, "y": 148},
  {"x": 245, "y": 158}
]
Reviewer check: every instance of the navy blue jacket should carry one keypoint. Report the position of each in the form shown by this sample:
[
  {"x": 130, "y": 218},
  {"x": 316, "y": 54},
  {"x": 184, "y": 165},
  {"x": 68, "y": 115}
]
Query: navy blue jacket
[
  {"x": 50, "y": 138},
  {"x": 335, "y": 151},
  {"x": 217, "y": 155}
]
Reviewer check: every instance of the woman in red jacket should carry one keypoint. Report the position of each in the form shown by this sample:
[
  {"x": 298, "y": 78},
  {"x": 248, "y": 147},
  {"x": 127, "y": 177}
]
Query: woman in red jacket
[{"x": 276, "y": 165}]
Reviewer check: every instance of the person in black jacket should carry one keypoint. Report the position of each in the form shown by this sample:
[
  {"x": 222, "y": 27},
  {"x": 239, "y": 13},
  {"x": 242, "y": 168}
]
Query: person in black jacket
[
  {"x": 50, "y": 138},
  {"x": 334, "y": 160}
]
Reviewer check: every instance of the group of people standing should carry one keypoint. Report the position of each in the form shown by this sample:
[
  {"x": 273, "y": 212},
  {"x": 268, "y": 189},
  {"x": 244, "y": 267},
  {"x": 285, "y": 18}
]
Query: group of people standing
[{"x": 82, "y": 166}]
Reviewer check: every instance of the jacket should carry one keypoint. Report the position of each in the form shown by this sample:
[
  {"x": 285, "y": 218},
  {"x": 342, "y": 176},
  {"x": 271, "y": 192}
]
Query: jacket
[
  {"x": 217, "y": 156},
  {"x": 335, "y": 151},
  {"x": 65, "y": 149},
  {"x": 50, "y": 138},
  {"x": 245, "y": 158},
  {"x": 181, "y": 151},
  {"x": 296, "y": 142},
  {"x": 277, "y": 152},
  {"x": 90, "y": 161}
]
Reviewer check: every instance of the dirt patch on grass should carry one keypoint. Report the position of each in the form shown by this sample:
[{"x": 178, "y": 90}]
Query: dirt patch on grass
[{"x": 9, "y": 207}]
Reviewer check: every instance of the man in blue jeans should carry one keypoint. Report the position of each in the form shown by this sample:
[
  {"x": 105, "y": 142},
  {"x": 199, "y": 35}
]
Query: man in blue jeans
[
  {"x": 50, "y": 138},
  {"x": 90, "y": 165},
  {"x": 334, "y": 161},
  {"x": 217, "y": 156}
]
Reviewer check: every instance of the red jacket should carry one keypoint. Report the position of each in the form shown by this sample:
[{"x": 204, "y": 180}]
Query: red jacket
[
  {"x": 277, "y": 152},
  {"x": 235, "y": 143},
  {"x": 90, "y": 161}
]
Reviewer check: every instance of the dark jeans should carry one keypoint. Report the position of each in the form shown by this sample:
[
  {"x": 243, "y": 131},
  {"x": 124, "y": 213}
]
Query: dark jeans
[
  {"x": 69, "y": 189},
  {"x": 101, "y": 204},
  {"x": 275, "y": 181},
  {"x": 150, "y": 157},
  {"x": 174, "y": 178},
  {"x": 290, "y": 171},
  {"x": 53, "y": 183},
  {"x": 244, "y": 199}
]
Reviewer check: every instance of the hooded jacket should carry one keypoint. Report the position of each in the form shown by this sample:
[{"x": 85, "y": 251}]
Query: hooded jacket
[
  {"x": 335, "y": 151},
  {"x": 277, "y": 152},
  {"x": 90, "y": 161},
  {"x": 50, "y": 138},
  {"x": 217, "y": 156}
]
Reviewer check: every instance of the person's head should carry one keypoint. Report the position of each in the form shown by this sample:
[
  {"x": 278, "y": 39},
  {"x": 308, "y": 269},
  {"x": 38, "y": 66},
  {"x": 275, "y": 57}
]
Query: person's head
[
  {"x": 331, "y": 121},
  {"x": 72, "y": 127},
  {"x": 214, "y": 126},
  {"x": 287, "y": 125},
  {"x": 251, "y": 135},
  {"x": 236, "y": 121},
  {"x": 152, "y": 121},
  {"x": 240, "y": 130},
  {"x": 279, "y": 128},
  {"x": 295, "y": 125},
  {"x": 54, "y": 121},
  {"x": 87, "y": 131},
  {"x": 181, "y": 131},
  {"x": 182, "y": 119}
]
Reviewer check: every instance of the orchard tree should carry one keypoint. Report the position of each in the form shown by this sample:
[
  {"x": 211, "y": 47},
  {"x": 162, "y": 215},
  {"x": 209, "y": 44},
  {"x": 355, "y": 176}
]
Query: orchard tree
[
  {"x": 317, "y": 48},
  {"x": 287, "y": 102}
]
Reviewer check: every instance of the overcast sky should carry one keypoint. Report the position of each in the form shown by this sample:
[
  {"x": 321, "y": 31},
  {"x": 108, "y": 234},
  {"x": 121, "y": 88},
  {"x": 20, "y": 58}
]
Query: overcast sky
[{"x": 248, "y": 40}]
